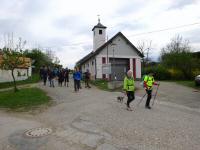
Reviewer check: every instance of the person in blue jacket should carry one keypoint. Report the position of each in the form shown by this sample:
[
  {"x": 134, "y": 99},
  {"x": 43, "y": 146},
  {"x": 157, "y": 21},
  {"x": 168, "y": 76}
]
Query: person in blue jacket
[{"x": 77, "y": 79}]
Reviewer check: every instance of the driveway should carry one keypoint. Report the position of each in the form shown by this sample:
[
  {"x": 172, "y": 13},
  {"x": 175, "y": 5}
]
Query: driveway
[{"x": 93, "y": 120}]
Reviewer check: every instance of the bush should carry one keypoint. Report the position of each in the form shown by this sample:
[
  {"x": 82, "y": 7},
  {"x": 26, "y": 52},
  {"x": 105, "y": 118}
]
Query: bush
[
  {"x": 177, "y": 74},
  {"x": 160, "y": 72},
  {"x": 195, "y": 73}
]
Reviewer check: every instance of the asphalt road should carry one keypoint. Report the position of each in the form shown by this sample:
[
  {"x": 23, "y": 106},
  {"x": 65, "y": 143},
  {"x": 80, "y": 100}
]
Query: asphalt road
[{"x": 93, "y": 120}]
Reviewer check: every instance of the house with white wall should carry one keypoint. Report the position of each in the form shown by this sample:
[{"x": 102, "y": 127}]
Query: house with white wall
[
  {"x": 111, "y": 59},
  {"x": 20, "y": 73}
]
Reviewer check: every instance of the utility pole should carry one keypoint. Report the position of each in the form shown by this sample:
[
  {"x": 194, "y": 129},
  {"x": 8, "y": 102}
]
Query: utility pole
[
  {"x": 107, "y": 51},
  {"x": 113, "y": 45}
]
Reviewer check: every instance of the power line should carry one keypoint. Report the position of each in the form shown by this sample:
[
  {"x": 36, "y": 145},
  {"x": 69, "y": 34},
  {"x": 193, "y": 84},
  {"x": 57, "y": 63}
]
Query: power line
[
  {"x": 154, "y": 31},
  {"x": 166, "y": 29},
  {"x": 138, "y": 34}
]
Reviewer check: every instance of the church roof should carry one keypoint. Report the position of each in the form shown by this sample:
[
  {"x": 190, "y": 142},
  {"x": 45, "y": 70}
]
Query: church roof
[
  {"x": 92, "y": 54},
  {"x": 99, "y": 25}
]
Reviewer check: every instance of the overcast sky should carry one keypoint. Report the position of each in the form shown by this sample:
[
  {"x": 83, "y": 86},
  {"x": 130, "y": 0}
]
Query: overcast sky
[{"x": 65, "y": 25}]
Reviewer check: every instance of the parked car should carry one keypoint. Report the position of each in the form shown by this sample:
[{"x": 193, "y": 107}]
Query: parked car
[{"x": 197, "y": 80}]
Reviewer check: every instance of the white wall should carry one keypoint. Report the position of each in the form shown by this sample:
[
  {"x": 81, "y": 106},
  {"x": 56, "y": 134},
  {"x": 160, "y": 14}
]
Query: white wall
[
  {"x": 98, "y": 39},
  {"x": 131, "y": 64},
  {"x": 138, "y": 68},
  {"x": 30, "y": 71},
  {"x": 89, "y": 65},
  {"x": 6, "y": 76},
  {"x": 121, "y": 49},
  {"x": 99, "y": 66}
]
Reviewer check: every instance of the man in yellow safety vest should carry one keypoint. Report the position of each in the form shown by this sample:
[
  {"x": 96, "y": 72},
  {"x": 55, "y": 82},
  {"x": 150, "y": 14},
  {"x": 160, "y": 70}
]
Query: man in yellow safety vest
[{"x": 148, "y": 85}]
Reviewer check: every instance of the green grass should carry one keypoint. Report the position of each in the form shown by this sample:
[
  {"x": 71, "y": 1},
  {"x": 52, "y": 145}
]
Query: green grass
[
  {"x": 101, "y": 84},
  {"x": 188, "y": 84},
  {"x": 24, "y": 99},
  {"x": 33, "y": 79}
]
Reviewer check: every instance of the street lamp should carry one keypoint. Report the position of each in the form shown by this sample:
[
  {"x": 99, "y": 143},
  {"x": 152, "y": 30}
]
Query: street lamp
[{"x": 113, "y": 46}]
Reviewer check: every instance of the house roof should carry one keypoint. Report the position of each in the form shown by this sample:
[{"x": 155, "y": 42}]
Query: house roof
[
  {"x": 99, "y": 25},
  {"x": 92, "y": 54}
]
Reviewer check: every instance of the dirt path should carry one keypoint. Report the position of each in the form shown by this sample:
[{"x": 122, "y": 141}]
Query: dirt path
[{"x": 93, "y": 120}]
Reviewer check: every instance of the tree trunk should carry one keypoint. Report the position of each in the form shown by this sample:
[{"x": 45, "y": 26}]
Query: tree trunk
[{"x": 15, "y": 86}]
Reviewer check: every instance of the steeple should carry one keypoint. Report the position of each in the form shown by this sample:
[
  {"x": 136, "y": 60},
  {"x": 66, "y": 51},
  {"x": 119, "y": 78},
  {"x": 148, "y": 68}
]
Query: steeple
[{"x": 99, "y": 34}]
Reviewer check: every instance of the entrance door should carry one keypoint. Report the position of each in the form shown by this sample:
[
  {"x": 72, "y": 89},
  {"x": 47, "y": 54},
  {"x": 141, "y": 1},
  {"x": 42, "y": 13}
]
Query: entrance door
[{"x": 119, "y": 67}]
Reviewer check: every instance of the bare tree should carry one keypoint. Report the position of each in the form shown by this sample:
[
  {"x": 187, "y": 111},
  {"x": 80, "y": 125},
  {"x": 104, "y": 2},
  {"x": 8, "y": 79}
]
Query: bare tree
[{"x": 145, "y": 47}]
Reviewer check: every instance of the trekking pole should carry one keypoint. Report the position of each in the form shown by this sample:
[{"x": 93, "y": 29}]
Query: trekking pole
[
  {"x": 155, "y": 94},
  {"x": 141, "y": 99}
]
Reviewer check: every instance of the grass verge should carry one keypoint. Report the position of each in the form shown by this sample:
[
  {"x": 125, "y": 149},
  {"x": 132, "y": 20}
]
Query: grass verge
[
  {"x": 33, "y": 79},
  {"x": 101, "y": 84},
  {"x": 24, "y": 99}
]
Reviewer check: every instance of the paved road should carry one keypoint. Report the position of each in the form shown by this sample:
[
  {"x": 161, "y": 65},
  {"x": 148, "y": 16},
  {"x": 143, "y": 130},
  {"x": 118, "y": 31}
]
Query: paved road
[
  {"x": 93, "y": 120},
  {"x": 175, "y": 93}
]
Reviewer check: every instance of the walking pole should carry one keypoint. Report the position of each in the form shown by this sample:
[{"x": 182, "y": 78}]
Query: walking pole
[
  {"x": 155, "y": 94},
  {"x": 141, "y": 99}
]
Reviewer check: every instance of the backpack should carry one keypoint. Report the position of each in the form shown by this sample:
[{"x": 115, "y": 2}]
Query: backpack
[{"x": 142, "y": 82}]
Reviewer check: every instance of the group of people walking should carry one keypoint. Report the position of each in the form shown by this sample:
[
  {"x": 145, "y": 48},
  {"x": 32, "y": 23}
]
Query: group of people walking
[
  {"x": 129, "y": 88},
  {"x": 49, "y": 74},
  {"x": 62, "y": 75}
]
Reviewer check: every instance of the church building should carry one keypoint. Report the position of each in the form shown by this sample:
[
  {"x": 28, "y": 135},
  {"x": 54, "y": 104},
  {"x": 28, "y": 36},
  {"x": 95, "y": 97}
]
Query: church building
[{"x": 111, "y": 59}]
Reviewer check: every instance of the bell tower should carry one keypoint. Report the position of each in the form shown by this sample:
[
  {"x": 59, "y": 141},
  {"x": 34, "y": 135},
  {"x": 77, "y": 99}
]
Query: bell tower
[{"x": 99, "y": 35}]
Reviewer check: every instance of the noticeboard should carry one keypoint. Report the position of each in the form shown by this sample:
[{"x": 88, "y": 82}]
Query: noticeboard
[{"x": 106, "y": 68}]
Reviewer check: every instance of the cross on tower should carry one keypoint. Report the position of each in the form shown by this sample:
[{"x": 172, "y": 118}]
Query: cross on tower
[{"x": 98, "y": 18}]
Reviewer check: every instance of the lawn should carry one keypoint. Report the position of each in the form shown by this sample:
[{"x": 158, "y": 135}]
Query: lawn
[
  {"x": 24, "y": 99},
  {"x": 33, "y": 79},
  {"x": 101, "y": 84}
]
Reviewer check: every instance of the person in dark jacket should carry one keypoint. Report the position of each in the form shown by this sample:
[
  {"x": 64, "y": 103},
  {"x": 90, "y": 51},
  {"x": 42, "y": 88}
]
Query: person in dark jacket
[
  {"x": 41, "y": 72},
  {"x": 61, "y": 77},
  {"x": 45, "y": 75},
  {"x": 51, "y": 78},
  {"x": 66, "y": 77},
  {"x": 77, "y": 79},
  {"x": 87, "y": 79}
]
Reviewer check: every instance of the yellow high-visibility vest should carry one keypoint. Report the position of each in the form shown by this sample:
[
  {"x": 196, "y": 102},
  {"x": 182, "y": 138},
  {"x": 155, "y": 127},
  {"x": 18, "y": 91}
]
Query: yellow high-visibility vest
[{"x": 149, "y": 81}]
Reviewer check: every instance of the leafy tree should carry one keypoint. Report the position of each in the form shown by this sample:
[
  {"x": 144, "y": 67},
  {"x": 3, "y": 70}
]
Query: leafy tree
[
  {"x": 39, "y": 58},
  {"x": 177, "y": 55},
  {"x": 12, "y": 57},
  {"x": 11, "y": 60}
]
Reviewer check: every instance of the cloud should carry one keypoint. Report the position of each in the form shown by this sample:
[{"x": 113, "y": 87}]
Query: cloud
[
  {"x": 65, "y": 25},
  {"x": 179, "y": 4}
]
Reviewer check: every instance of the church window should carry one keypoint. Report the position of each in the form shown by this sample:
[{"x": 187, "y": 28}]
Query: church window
[{"x": 100, "y": 31}]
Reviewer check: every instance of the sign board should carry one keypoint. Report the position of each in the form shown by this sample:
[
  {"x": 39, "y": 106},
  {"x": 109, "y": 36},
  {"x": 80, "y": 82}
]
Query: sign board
[{"x": 106, "y": 68}]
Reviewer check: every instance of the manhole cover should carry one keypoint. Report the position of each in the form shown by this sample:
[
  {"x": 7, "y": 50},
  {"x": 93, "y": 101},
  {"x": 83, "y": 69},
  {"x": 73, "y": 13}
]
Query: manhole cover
[{"x": 38, "y": 132}]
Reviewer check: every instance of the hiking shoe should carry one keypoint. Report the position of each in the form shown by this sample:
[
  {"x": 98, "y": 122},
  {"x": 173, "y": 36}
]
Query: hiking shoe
[
  {"x": 129, "y": 109},
  {"x": 147, "y": 107}
]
